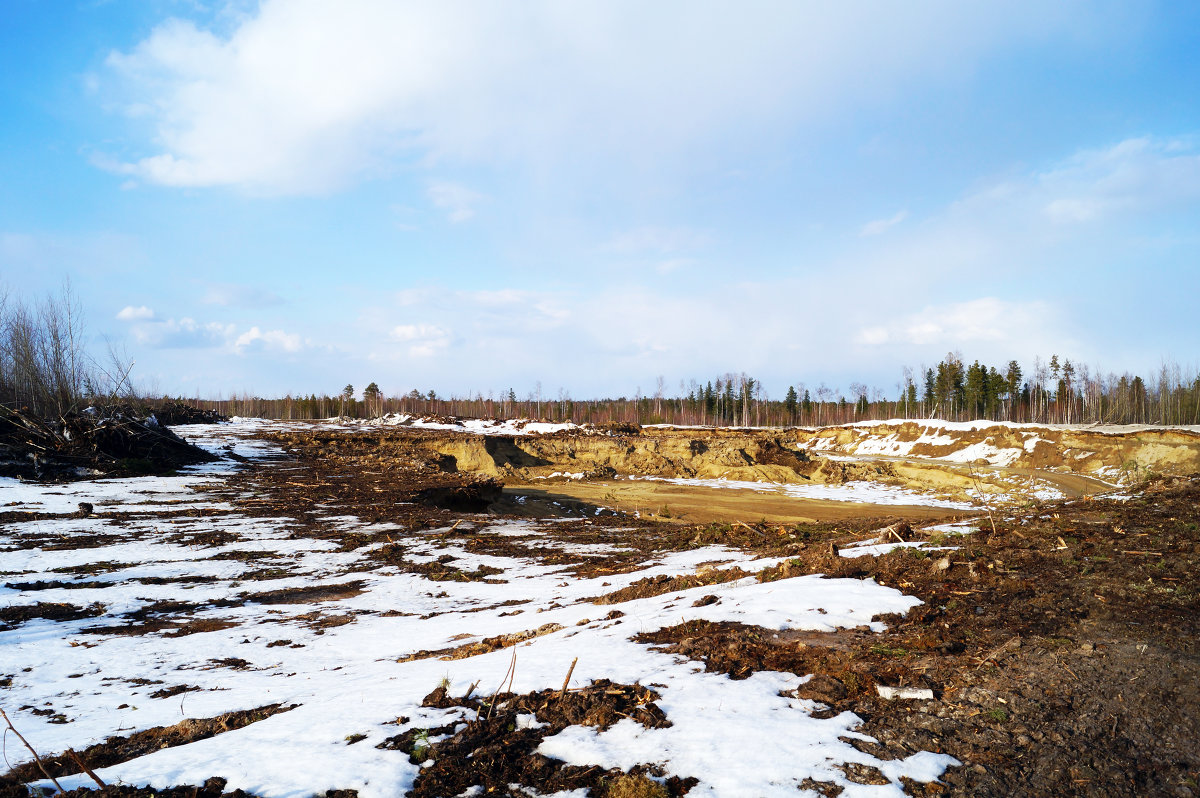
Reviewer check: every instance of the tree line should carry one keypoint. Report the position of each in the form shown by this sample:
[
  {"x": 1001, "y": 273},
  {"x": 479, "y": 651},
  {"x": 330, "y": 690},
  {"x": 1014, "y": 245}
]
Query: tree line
[{"x": 1051, "y": 391}]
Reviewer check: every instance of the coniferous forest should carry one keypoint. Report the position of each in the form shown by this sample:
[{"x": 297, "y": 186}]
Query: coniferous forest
[{"x": 1050, "y": 391}]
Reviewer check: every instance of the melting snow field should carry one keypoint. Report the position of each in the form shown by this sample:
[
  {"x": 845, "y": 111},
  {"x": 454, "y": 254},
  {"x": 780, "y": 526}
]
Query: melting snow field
[{"x": 71, "y": 688}]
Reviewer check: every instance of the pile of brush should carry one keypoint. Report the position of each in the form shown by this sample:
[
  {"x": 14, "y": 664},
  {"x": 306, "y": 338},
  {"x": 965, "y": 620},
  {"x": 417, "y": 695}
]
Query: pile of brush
[{"x": 94, "y": 442}]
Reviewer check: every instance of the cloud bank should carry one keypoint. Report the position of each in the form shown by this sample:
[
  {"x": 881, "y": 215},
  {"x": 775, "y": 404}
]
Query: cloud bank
[{"x": 305, "y": 96}]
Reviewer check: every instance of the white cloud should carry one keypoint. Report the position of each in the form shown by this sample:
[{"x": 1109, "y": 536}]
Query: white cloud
[
  {"x": 457, "y": 201},
  {"x": 1131, "y": 176},
  {"x": 958, "y": 324},
  {"x": 1094, "y": 185},
  {"x": 140, "y": 313},
  {"x": 151, "y": 330},
  {"x": 872, "y": 336},
  {"x": 276, "y": 340},
  {"x": 880, "y": 226},
  {"x": 302, "y": 96},
  {"x": 184, "y": 333},
  {"x": 424, "y": 340}
]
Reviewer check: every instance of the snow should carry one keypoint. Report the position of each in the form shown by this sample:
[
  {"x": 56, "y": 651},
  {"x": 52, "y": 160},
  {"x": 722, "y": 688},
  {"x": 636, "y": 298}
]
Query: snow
[
  {"x": 347, "y": 679},
  {"x": 933, "y": 434},
  {"x": 983, "y": 423},
  {"x": 478, "y": 426}
]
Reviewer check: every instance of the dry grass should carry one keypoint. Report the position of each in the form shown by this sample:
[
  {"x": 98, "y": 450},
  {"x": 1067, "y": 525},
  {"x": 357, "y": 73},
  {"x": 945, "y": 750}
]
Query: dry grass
[{"x": 629, "y": 786}]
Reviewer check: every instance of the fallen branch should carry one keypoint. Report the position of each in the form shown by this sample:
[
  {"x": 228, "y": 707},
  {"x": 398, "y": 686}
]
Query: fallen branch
[
  {"x": 84, "y": 767},
  {"x": 36, "y": 758}
]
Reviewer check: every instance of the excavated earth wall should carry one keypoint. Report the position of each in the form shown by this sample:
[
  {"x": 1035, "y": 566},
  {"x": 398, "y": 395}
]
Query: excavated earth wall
[
  {"x": 702, "y": 454},
  {"x": 1118, "y": 455}
]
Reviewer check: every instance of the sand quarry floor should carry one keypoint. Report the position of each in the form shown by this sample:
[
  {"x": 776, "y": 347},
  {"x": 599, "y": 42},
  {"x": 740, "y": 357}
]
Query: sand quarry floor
[{"x": 340, "y": 610}]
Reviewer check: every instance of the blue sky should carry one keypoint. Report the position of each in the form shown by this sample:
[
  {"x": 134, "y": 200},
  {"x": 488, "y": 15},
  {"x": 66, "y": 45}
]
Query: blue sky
[{"x": 290, "y": 196}]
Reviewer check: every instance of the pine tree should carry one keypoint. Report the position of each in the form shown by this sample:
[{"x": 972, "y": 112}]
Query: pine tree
[{"x": 789, "y": 403}]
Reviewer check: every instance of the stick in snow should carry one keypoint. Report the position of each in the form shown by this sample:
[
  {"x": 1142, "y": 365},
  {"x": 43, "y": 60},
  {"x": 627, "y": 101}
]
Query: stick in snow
[{"x": 36, "y": 758}]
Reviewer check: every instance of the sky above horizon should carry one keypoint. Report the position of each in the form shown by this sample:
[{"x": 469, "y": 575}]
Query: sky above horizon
[{"x": 272, "y": 197}]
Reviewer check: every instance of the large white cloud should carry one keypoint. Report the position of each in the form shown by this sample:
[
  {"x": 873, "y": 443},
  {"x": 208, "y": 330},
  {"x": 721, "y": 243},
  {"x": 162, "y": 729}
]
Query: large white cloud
[{"x": 305, "y": 95}]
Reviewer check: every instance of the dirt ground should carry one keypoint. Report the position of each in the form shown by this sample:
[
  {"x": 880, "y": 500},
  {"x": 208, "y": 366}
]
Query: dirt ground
[
  {"x": 671, "y": 502},
  {"x": 1058, "y": 639},
  {"x": 1061, "y": 647}
]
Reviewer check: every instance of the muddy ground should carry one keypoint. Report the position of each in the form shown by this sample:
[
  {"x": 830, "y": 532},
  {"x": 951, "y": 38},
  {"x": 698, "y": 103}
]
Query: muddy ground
[
  {"x": 1061, "y": 646},
  {"x": 1058, "y": 639}
]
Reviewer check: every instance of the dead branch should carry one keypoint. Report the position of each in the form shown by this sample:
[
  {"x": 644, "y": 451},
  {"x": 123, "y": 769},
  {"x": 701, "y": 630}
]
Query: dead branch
[
  {"x": 567, "y": 680},
  {"x": 36, "y": 758}
]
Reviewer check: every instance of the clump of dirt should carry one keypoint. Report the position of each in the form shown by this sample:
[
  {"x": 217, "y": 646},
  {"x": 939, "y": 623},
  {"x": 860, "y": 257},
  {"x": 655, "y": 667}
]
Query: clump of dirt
[
  {"x": 496, "y": 747},
  {"x": 84, "y": 445},
  {"x": 116, "y": 750},
  {"x": 307, "y": 594},
  {"x": 658, "y": 585},
  {"x": 12, "y": 617}
]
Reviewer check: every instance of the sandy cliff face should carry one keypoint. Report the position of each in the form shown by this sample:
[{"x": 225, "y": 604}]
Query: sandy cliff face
[
  {"x": 959, "y": 461},
  {"x": 707, "y": 454},
  {"x": 1114, "y": 455}
]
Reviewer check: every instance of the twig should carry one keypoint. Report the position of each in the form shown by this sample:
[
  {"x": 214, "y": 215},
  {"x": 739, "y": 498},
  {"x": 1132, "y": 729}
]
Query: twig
[
  {"x": 83, "y": 766},
  {"x": 36, "y": 758},
  {"x": 991, "y": 655},
  {"x": 567, "y": 680},
  {"x": 512, "y": 669}
]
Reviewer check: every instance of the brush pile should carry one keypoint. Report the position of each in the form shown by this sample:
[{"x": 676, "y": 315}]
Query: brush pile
[
  {"x": 176, "y": 412},
  {"x": 95, "y": 442}
]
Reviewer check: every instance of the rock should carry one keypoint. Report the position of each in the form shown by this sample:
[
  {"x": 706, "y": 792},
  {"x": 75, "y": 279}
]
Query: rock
[{"x": 904, "y": 693}]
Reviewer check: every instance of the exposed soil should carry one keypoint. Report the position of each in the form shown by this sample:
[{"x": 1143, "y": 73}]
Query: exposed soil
[
  {"x": 213, "y": 788},
  {"x": 1061, "y": 651},
  {"x": 12, "y": 617},
  {"x": 1060, "y": 648},
  {"x": 667, "y": 501},
  {"x": 116, "y": 750},
  {"x": 1080, "y": 451},
  {"x": 495, "y": 746}
]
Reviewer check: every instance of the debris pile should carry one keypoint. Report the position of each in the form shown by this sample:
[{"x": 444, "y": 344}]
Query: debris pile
[
  {"x": 91, "y": 443},
  {"x": 176, "y": 412}
]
